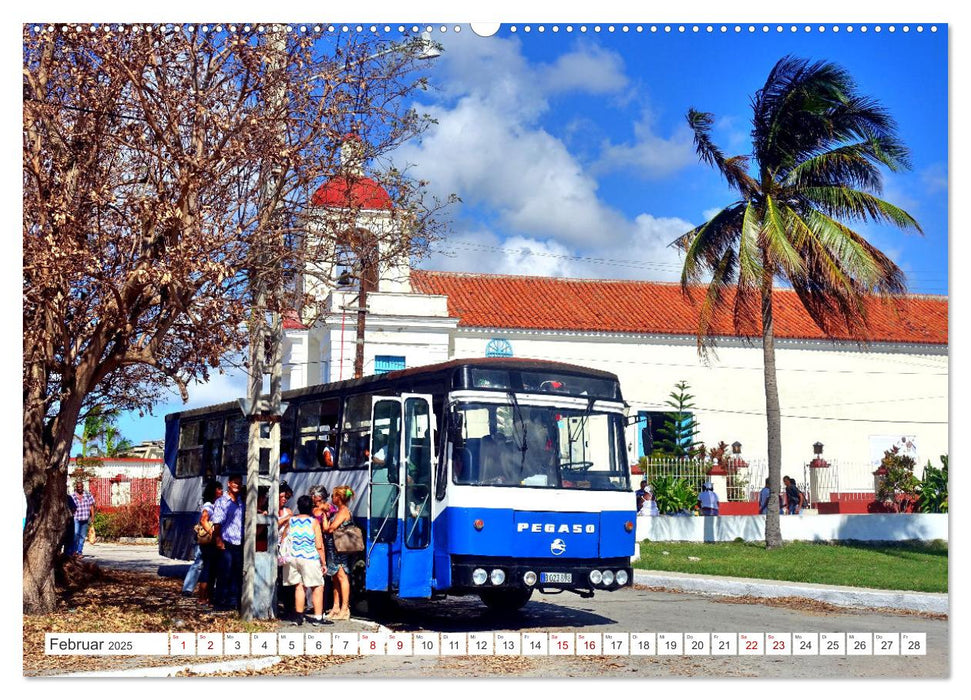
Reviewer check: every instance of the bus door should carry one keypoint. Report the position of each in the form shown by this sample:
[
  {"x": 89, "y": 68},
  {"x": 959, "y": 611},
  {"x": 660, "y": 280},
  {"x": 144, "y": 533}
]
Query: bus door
[
  {"x": 414, "y": 551},
  {"x": 384, "y": 493}
]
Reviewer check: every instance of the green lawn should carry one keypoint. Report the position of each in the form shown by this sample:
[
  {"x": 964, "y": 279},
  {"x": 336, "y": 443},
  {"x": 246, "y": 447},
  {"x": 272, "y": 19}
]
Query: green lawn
[{"x": 906, "y": 566}]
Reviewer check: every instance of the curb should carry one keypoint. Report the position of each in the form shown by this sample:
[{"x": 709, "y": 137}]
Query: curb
[
  {"x": 842, "y": 596},
  {"x": 250, "y": 664}
]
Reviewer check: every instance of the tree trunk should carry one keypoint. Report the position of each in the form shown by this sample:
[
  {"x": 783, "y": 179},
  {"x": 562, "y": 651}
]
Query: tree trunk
[
  {"x": 47, "y": 450},
  {"x": 773, "y": 531}
]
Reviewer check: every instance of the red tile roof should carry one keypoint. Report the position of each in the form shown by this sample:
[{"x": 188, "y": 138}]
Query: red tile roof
[{"x": 618, "y": 306}]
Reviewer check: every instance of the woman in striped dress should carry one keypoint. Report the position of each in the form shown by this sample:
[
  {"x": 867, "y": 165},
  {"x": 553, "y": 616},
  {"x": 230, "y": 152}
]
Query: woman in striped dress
[{"x": 305, "y": 567}]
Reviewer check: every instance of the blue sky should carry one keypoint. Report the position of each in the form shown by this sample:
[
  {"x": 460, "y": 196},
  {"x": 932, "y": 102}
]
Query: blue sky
[
  {"x": 572, "y": 157},
  {"x": 574, "y": 145}
]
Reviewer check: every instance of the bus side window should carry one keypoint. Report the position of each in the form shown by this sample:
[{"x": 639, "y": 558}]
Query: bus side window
[
  {"x": 212, "y": 446},
  {"x": 355, "y": 435},
  {"x": 316, "y": 441},
  {"x": 235, "y": 446},
  {"x": 189, "y": 460}
]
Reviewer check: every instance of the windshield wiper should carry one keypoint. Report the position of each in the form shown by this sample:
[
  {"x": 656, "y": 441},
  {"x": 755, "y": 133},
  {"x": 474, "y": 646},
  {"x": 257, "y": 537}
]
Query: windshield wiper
[
  {"x": 583, "y": 421},
  {"x": 518, "y": 414}
]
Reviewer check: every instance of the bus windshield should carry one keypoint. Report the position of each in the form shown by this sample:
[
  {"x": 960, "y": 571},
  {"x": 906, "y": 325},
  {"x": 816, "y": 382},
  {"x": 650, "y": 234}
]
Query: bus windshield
[{"x": 516, "y": 444}]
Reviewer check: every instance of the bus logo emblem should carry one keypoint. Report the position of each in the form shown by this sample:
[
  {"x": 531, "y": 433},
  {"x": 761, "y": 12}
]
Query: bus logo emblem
[{"x": 558, "y": 547}]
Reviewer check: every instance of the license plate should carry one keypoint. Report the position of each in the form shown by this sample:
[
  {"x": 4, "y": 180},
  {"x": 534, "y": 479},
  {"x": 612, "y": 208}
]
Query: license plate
[{"x": 555, "y": 577}]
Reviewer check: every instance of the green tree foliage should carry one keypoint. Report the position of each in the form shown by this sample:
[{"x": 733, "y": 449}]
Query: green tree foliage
[
  {"x": 677, "y": 433},
  {"x": 899, "y": 478},
  {"x": 817, "y": 148},
  {"x": 932, "y": 489}
]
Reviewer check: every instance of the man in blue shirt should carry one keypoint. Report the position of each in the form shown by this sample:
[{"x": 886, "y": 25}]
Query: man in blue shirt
[
  {"x": 764, "y": 499},
  {"x": 227, "y": 520}
]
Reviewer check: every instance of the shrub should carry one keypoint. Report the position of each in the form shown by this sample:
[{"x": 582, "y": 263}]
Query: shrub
[
  {"x": 673, "y": 495},
  {"x": 932, "y": 489},
  {"x": 132, "y": 520},
  {"x": 899, "y": 483}
]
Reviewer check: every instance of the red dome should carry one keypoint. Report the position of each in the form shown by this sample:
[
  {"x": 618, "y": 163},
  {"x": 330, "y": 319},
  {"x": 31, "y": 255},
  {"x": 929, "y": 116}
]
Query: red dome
[{"x": 357, "y": 193}]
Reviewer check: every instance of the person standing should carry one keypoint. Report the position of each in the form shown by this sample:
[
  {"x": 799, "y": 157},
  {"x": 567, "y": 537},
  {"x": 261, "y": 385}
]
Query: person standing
[
  {"x": 84, "y": 509},
  {"x": 708, "y": 499},
  {"x": 202, "y": 571},
  {"x": 284, "y": 594},
  {"x": 764, "y": 498},
  {"x": 338, "y": 565},
  {"x": 641, "y": 494},
  {"x": 794, "y": 497},
  {"x": 650, "y": 504},
  {"x": 227, "y": 519},
  {"x": 304, "y": 569}
]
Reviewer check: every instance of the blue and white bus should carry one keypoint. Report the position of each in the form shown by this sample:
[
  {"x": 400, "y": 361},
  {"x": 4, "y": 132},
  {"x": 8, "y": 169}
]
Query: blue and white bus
[{"x": 494, "y": 477}]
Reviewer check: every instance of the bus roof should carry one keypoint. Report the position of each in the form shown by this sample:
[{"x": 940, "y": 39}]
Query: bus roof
[{"x": 442, "y": 369}]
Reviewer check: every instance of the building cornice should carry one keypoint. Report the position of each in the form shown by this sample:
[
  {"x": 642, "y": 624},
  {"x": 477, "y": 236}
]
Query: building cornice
[{"x": 722, "y": 341}]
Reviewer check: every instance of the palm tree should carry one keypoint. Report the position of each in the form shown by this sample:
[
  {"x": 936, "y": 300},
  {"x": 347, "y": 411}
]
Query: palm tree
[
  {"x": 100, "y": 435},
  {"x": 817, "y": 148},
  {"x": 92, "y": 429}
]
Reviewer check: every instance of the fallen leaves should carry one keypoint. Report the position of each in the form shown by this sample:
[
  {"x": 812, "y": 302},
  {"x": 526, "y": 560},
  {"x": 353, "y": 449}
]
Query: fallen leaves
[
  {"x": 121, "y": 602},
  {"x": 819, "y": 607}
]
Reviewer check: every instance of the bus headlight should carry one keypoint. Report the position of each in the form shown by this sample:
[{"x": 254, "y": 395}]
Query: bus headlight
[
  {"x": 608, "y": 578},
  {"x": 622, "y": 578},
  {"x": 479, "y": 577},
  {"x": 529, "y": 578},
  {"x": 596, "y": 577},
  {"x": 498, "y": 577}
]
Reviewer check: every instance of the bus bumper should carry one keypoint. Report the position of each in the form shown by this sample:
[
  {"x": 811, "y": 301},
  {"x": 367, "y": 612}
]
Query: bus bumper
[{"x": 545, "y": 575}]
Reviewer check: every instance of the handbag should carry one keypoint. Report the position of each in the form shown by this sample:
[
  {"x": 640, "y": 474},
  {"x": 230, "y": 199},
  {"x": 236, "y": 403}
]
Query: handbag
[
  {"x": 284, "y": 550},
  {"x": 348, "y": 538},
  {"x": 92, "y": 535},
  {"x": 203, "y": 535}
]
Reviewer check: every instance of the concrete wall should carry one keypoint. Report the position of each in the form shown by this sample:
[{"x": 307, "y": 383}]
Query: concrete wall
[{"x": 751, "y": 528}]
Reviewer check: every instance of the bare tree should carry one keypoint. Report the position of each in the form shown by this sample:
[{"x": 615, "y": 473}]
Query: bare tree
[{"x": 147, "y": 217}]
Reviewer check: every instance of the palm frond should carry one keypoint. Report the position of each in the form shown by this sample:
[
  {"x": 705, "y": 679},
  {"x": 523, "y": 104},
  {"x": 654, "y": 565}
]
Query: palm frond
[
  {"x": 853, "y": 165},
  {"x": 722, "y": 277},
  {"x": 872, "y": 271},
  {"x": 705, "y": 245},
  {"x": 855, "y": 205},
  {"x": 776, "y": 239},
  {"x": 733, "y": 169},
  {"x": 749, "y": 257}
]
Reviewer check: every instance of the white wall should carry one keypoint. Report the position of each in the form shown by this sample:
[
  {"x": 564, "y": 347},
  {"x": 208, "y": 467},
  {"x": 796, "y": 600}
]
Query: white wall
[
  {"x": 836, "y": 394},
  {"x": 751, "y": 528}
]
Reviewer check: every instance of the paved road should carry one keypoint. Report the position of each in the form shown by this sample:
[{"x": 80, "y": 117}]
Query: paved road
[{"x": 629, "y": 610}]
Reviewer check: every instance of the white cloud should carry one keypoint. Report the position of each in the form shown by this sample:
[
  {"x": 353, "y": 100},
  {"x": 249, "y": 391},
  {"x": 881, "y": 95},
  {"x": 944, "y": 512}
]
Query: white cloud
[
  {"x": 526, "y": 189},
  {"x": 649, "y": 155},
  {"x": 528, "y": 176},
  {"x": 592, "y": 69},
  {"x": 642, "y": 252}
]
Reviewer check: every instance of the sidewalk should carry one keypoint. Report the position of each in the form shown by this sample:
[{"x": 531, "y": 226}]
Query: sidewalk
[{"x": 843, "y": 596}]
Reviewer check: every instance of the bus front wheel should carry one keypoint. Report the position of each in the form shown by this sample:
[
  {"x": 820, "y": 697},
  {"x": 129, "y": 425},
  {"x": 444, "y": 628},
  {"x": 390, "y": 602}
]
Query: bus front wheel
[{"x": 506, "y": 601}]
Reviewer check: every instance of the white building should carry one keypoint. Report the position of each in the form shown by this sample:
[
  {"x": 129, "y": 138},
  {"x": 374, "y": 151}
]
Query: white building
[{"x": 854, "y": 398}]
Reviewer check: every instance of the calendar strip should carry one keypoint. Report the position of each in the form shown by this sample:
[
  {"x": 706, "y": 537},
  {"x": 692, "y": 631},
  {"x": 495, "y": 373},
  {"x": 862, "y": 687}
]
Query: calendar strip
[{"x": 774, "y": 644}]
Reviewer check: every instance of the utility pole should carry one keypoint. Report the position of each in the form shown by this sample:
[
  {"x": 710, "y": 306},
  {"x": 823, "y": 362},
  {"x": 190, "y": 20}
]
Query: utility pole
[{"x": 260, "y": 568}]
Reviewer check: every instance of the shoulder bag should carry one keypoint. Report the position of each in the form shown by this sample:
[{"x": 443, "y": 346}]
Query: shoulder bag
[
  {"x": 203, "y": 535},
  {"x": 348, "y": 538}
]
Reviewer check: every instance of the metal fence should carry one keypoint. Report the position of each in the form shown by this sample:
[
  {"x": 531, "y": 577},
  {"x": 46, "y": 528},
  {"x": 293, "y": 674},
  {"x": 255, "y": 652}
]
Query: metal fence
[
  {"x": 838, "y": 481},
  {"x": 743, "y": 483}
]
